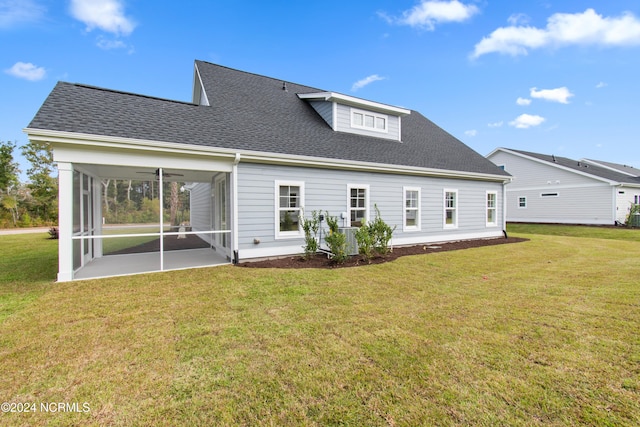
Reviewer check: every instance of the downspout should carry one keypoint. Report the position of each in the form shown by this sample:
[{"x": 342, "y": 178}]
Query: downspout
[
  {"x": 234, "y": 207},
  {"x": 160, "y": 185},
  {"x": 504, "y": 207}
]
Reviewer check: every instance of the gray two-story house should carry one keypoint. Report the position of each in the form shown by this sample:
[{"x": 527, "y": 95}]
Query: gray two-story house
[{"x": 256, "y": 155}]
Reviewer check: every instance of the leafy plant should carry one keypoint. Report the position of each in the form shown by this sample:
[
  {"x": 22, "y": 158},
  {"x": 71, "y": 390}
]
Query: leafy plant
[
  {"x": 337, "y": 241},
  {"x": 632, "y": 220},
  {"x": 381, "y": 232},
  {"x": 311, "y": 227},
  {"x": 366, "y": 241}
]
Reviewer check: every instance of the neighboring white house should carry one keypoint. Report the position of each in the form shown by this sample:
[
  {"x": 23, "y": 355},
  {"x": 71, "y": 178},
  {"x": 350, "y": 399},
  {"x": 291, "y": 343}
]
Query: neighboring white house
[
  {"x": 553, "y": 189},
  {"x": 255, "y": 154}
]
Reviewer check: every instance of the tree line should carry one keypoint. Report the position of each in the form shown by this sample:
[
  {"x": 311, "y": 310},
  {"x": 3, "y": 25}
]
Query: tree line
[{"x": 34, "y": 203}]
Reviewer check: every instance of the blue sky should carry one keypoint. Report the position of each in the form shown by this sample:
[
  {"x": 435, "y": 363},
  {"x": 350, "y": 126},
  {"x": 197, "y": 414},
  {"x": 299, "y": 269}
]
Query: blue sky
[{"x": 555, "y": 77}]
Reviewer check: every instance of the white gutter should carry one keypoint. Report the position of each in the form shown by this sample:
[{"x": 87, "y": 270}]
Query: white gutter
[{"x": 54, "y": 137}]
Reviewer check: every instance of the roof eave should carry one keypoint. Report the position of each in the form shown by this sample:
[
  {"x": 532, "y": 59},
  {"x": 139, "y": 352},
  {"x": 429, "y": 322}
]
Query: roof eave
[
  {"x": 353, "y": 101},
  {"x": 72, "y": 138}
]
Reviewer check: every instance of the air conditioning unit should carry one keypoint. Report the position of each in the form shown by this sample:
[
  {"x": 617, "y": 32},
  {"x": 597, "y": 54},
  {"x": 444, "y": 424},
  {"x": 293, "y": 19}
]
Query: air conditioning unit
[{"x": 352, "y": 243}]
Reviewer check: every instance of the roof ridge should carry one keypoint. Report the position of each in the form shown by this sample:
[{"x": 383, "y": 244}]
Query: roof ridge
[
  {"x": 121, "y": 92},
  {"x": 260, "y": 75}
]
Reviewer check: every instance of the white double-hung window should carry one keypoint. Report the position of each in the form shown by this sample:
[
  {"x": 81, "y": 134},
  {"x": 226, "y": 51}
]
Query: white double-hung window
[
  {"x": 492, "y": 218},
  {"x": 289, "y": 203},
  {"x": 358, "y": 204},
  {"x": 411, "y": 213},
  {"x": 450, "y": 208}
]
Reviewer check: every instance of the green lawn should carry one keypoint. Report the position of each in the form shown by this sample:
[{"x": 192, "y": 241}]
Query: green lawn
[{"x": 537, "y": 333}]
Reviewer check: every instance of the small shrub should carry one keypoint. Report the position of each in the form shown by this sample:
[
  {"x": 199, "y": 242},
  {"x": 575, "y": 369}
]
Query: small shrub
[
  {"x": 311, "y": 227},
  {"x": 53, "y": 233},
  {"x": 366, "y": 241},
  {"x": 337, "y": 241},
  {"x": 632, "y": 219},
  {"x": 382, "y": 233}
]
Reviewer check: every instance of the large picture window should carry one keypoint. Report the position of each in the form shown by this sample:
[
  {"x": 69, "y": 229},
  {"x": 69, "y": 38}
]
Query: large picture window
[
  {"x": 358, "y": 204},
  {"x": 411, "y": 209},
  {"x": 289, "y": 204},
  {"x": 451, "y": 208}
]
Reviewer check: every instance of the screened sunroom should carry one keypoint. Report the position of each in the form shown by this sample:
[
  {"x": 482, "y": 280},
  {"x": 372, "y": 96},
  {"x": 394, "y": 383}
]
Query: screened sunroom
[{"x": 119, "y": 220}]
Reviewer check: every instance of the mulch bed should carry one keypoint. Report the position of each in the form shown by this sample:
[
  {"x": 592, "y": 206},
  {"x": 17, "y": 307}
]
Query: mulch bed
[{"x": 321, "y": 260}]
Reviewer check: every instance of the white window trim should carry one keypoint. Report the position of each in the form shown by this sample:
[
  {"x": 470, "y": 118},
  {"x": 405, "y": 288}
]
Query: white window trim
[
  {"x": 444, "y": 208},
  {"x": 375, "y": 116},
  {"x": 366, "y": 201},
  {"x": 287, "y": 234},
  {"x": 495, "y": 209},
  {"x": 418, "y": 225},
  {"x": 525, "y": 202}
]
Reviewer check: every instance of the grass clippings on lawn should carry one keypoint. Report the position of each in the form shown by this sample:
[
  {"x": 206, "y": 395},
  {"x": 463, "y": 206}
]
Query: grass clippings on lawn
[{"x": 538, "y": 333}]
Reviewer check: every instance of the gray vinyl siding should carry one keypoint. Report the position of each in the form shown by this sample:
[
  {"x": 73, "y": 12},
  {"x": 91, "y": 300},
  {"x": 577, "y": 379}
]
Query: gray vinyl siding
[
  {"x": 624, "y": 200},
  {"x": 200, "y": 209},
  {"x": 326, "y": 190},
  {"x": 344, "y": 124},
  {"x": 581, "y": 205},
  {"x": 581, "y": 199},
  {"x": 325, "y": 109}
]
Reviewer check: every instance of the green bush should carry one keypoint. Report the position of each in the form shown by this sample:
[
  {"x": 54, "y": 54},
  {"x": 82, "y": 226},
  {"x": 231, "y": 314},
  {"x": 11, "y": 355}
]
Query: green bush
[
  {"x": 337, "y": 241},
  {"x": 381, "y": 232},
  {"x": 311, "y": 227},
  {"x": 366, "y": 241}
]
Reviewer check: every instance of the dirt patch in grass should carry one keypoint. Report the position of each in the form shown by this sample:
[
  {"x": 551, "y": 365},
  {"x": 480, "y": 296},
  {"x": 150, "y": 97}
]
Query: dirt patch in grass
[{"x": 322, "y": 261}]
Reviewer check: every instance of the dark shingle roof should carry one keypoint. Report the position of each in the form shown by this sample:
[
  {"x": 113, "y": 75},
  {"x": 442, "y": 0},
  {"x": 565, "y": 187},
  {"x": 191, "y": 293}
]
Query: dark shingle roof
[
  {"x": 581, "y": 166},
  {"x": 630, "y": 170},
  {"x": 250, "y": 112}
]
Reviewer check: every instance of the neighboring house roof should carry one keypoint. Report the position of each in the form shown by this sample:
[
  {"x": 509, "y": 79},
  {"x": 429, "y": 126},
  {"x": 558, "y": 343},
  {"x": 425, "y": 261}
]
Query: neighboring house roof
[
  {"x": 252, "y": 113},
  {"x": 579, "y": 166},
  {"x": 629, "y": 170}
]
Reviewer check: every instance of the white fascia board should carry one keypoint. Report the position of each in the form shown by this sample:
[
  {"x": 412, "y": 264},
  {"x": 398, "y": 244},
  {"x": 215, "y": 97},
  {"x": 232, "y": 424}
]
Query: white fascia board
[
  {"x": 545, "y": 162},
  {"x": 58, "y": 137},
  {"x": 357, "y": 102}
]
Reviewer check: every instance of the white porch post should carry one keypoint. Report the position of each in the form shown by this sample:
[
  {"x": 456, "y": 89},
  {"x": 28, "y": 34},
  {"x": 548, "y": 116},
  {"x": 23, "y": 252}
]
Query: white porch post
[{"x": 65, "y": 222}]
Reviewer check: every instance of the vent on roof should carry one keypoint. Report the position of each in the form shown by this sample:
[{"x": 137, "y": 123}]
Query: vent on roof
[
  {"x": 553, "y": 157},
  {"x": 284, "y": 86}
]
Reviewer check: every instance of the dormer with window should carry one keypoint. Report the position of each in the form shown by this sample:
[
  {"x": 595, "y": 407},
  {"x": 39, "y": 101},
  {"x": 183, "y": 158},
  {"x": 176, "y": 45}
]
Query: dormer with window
[{"x": 346, "y": 113}]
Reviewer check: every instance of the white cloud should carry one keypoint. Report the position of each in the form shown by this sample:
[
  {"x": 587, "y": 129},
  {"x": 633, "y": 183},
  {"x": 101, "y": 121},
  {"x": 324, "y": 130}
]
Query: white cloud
[
  {"x": 428, "y": 13},
  {"x": 15, "y": 12},
  {"x": 518, "y": 19},
  {"x": 107, "y": 15},
  {"x": 561, "y": 94},
  {"x": 563, "y": 29},
  {"x": 495, "y": 124},
  {"x": 471, "y": 132},
  {"x": 523, "y": 101},
  {"x": 601, "y": 85},
  {"x": 27, "y": 71},
  {"x": 366, "y": 81},
  {"x": 525, "y": 121}
]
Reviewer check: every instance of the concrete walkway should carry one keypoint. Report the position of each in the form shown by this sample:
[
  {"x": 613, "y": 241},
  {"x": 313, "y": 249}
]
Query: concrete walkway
[{"x": 4, "y": 231}]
